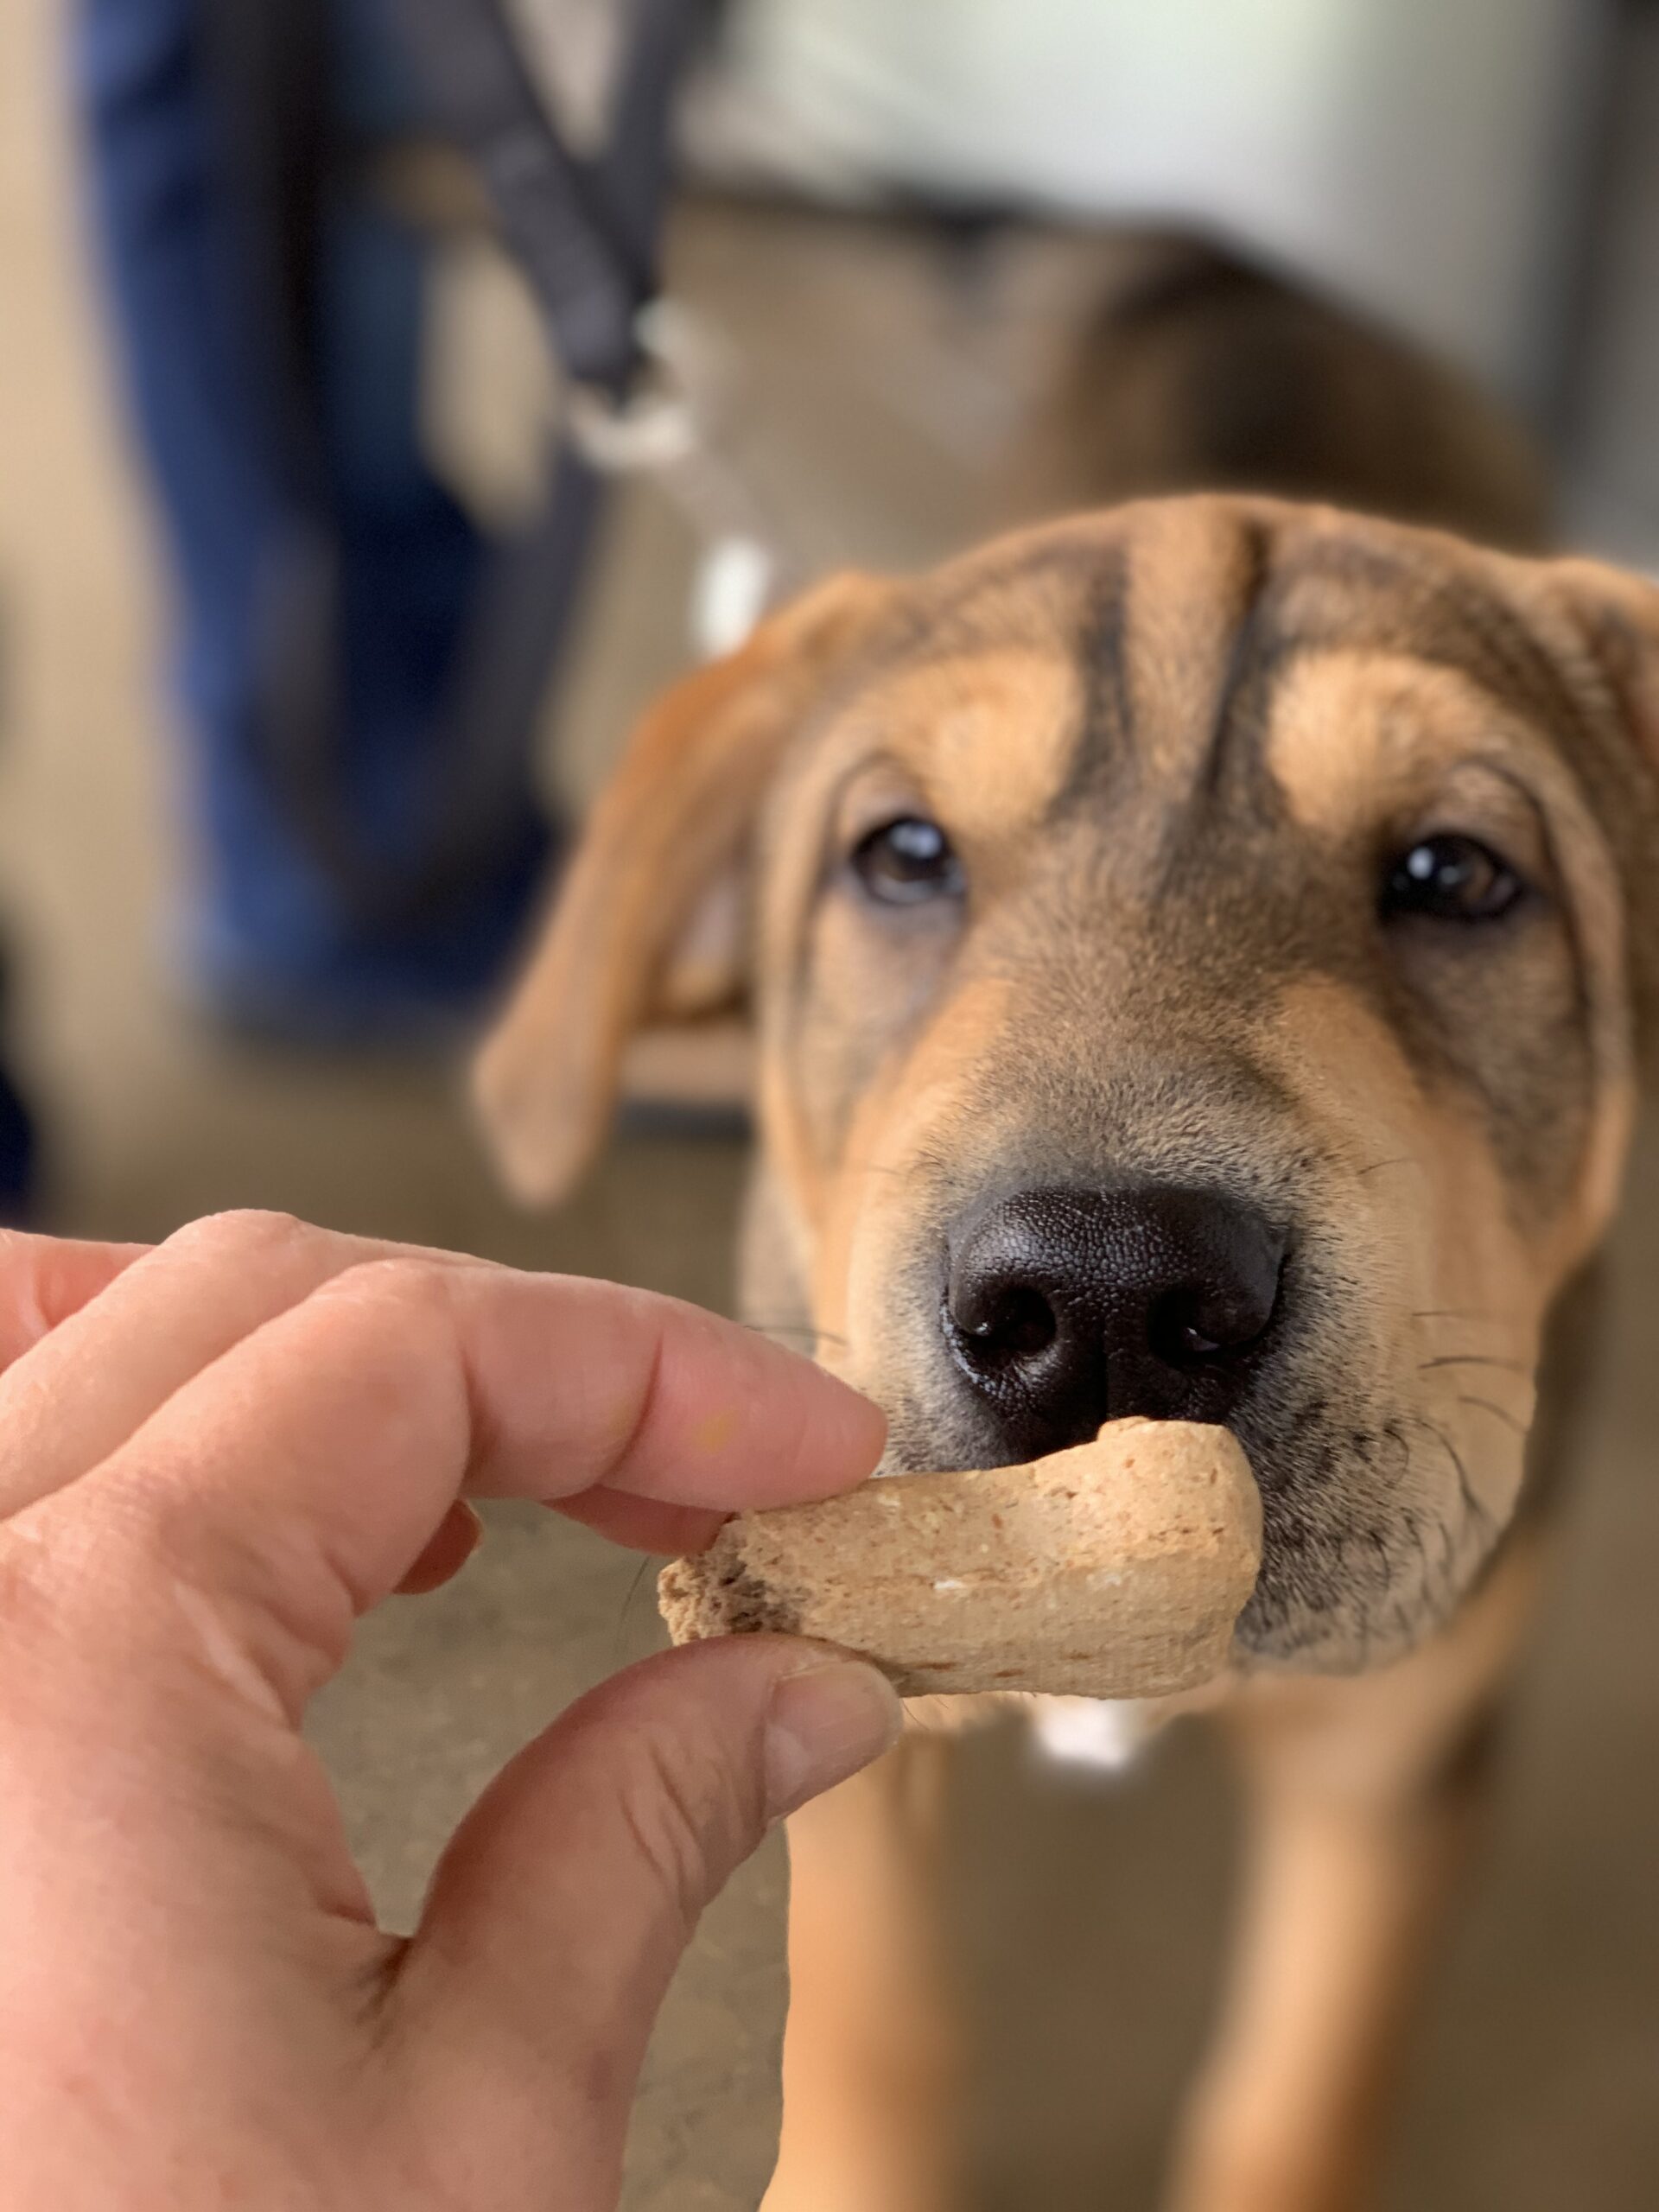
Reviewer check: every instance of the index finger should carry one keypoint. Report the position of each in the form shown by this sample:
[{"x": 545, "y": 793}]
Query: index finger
[{"x": 291, "y": 1485}]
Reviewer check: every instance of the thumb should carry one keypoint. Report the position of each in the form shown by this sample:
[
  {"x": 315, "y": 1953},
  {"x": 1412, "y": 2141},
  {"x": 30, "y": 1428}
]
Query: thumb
[{"x": 562, "y": 1907}]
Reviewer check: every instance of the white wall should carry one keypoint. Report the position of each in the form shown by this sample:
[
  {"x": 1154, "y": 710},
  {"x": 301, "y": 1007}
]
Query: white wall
[{"x": 1423, "y": 155}]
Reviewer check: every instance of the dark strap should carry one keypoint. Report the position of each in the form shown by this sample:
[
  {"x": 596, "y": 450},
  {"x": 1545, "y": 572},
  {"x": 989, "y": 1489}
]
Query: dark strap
[
  {"x": 586, "y": 231},
  {"x": 551, "y": 207},
  {"x": 586, "y": 234},
  {"x": 639, "y": 167}
]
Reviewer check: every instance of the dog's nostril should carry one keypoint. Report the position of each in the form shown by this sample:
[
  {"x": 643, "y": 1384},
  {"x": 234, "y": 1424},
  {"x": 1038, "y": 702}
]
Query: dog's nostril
[
  {"x": 1176, "y": 1334},
  {"x": 1188, "y": 1327},
  {"x": 1016, "y": 1324}
]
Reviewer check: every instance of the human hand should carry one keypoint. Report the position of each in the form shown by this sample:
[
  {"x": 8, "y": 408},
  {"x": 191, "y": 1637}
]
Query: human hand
[{"x": 213, "y": 1457}]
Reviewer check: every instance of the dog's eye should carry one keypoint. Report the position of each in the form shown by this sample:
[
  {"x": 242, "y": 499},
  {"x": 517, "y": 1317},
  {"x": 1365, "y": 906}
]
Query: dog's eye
[
  {"x": 1451, "y": 879},
  {"x": 905, "y": 861}
]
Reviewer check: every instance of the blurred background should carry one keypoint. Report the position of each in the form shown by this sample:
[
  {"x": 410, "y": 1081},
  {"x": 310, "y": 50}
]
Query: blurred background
[{"x": 279, "y": 417}]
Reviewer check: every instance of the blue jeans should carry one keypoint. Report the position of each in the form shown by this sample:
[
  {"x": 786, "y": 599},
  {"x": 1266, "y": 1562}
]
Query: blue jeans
[{"x": 273, "y": 936}]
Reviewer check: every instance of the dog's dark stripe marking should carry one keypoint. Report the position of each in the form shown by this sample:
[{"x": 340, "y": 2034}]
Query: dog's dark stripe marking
[
  {"x": 958, "y": 615},
  {"x": 945, "y": 619},
  {"x": 1232, "y": 787},
  {"x": 1106, "y": 724},
  {"x": 1244, "y": 659},
  {"x": 1107, "y": 735},
  {"x": 1082, "y": 557},
  {"x": 1509, "y": 660},
  {"x": 1447, "y": 618}
]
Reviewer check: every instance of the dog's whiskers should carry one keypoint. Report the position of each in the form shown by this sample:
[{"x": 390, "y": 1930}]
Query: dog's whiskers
[
  {"x": 1476, "y": 1514},
  {"x": 1402, "y": 1159},
  {"x": 620, "y": 1655},
  {"x": 1474, "y": 1359},
  {"x": 1510, "y": 1419},
  {"x": 804, "y": 1329}
]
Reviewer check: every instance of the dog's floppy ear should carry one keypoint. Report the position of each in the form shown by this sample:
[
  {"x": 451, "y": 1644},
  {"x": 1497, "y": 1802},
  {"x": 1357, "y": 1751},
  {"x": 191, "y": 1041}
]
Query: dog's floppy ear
[
  {"x": 1603, "y": 624},
  {"x": 668, "y": 831},
  {"x": 1616, "y": 613}
]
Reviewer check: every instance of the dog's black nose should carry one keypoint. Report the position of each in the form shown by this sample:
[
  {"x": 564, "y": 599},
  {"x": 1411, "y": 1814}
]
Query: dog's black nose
[{"x": 1065, "y": 1308}]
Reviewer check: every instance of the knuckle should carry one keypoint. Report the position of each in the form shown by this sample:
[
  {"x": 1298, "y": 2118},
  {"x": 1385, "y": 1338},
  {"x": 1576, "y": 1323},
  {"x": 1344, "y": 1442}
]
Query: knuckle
[
  {"x": 393, "y": 1320},
  {"x": 404, "y": 1280},
  {"x": 244, "y": 1232}
]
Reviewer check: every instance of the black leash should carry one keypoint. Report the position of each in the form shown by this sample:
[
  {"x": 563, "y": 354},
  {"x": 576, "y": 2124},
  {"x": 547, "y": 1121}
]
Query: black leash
[{"x": 586, "y": 231}]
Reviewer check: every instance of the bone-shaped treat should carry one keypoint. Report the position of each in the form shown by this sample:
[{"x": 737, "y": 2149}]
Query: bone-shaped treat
[{"x": 1117, "y": 1569}]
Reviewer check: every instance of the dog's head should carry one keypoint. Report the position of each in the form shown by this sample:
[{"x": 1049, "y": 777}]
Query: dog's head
[{"x": 1196, "y": 956}]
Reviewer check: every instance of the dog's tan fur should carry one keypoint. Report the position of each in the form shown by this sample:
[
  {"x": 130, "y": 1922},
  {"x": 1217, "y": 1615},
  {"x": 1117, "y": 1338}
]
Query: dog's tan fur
[{"x": 1174, "y": 745}]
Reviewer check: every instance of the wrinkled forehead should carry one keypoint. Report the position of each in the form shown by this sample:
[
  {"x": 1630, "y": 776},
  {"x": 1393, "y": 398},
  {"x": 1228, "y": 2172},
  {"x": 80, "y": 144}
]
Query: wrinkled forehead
[{"x": 1159, "y": 645}]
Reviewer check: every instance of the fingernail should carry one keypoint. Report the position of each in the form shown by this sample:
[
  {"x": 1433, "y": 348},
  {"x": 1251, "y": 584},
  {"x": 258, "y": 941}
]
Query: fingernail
[{"x": 824, "y": 1723}]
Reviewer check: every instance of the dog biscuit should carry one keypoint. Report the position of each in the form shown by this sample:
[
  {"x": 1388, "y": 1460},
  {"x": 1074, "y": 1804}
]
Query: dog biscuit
[{"x": 1117, "y": 1569}]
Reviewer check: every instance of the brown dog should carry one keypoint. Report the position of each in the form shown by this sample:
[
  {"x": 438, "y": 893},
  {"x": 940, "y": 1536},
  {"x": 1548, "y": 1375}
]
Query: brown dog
[{"x": 1200, "y": 958}]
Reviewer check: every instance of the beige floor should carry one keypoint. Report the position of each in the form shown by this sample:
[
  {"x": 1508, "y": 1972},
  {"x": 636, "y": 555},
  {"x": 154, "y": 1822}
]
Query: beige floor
[{"x": 1089, "y": 1916}]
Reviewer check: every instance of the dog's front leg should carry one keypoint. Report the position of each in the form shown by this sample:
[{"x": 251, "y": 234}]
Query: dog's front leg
[
  {"x": 873, "y": 2051},
  {"x": 1365, "y": 1798}
]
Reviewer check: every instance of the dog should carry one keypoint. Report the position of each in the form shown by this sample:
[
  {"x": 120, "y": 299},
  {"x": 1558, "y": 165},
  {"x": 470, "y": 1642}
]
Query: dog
[{"x": 1202, "y": 954}]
